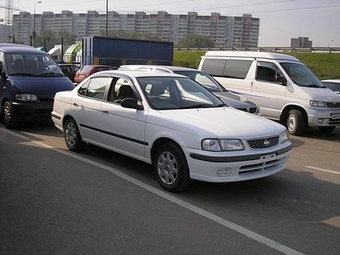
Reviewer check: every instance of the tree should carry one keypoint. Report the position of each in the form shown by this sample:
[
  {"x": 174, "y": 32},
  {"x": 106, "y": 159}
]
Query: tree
[
  {"x": 52, "y": 38},
  {"x": 131, "y": 35},
  {"x": 195, "y": 41}
]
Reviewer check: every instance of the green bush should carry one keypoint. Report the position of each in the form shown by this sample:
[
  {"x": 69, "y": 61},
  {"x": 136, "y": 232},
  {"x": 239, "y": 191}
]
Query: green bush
[{"x": 324, "y": 65}]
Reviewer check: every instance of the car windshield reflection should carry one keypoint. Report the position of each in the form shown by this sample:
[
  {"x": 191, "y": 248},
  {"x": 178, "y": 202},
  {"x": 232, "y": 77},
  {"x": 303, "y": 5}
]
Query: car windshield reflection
[{"x": 176, "y": 93}]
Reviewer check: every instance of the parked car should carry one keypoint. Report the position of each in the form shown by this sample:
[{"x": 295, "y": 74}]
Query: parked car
[
  {"x": 333, "y": 84},
  {"x": 69, "y": 70},
  {"x": 285, "y": 89},
  {"x": 173, "y": 123},
  {"x": 204, "y": 79},
  {"x": 87, "y": 70},
  {"x": 29, "y": 80}
]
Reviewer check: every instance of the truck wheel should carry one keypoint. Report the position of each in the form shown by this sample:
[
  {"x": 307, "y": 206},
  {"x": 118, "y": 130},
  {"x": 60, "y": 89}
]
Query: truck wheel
[
  {"x": 171, "y": 168},
  {"x": 295, "y": 122},
  {"x": 72, "y": 136},
  {"x": 9, "y": 120},
  {"x": 327, "y": 129}
]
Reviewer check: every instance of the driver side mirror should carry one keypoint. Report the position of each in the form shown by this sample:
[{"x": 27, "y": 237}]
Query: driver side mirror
[
  {"x": 131, "y": 103},
  {"x": 281, "y": 80}
]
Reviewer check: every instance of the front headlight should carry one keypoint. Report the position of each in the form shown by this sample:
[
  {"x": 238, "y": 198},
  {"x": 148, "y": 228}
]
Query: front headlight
[
  {"x": 222, "y": 145},
  {"x": 26, "y": 97},
  {"x": 317, "y": 103},
  {"x": 284, "y": 137}
]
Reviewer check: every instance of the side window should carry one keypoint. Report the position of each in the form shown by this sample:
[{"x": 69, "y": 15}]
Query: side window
[
  {"x": 229, "y": 68},
  {"x": 119, "y": 90},
  {"x": 82, "y": 90},
  {"x": 95, "y": 88},
  {"x": 237, "y": 69},
  {"x": 268, "y": 72},
  {"x": 214, "y": 67},
  {"x": 1, "y": 62}
]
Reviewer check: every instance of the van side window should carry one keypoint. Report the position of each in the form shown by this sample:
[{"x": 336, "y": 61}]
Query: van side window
[
  {"x": 231, "y": 68},
  {"x": 269, "y": 72},
  {"x": 214, "y": 67}
]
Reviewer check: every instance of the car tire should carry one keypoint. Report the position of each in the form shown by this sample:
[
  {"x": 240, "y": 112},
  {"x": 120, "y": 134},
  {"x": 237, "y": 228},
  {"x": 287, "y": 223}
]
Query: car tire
[
  {"x": 295, "y": 122},
  {"x": 171, "y": 168},
  {"x": 9, "y": 120},
  {"x": 72, "y": 136},
  {"x": 327, "y": 130}
]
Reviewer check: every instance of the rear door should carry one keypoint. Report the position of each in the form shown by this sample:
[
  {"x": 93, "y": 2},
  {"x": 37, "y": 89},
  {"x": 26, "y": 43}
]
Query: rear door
[{"x": 86, "y": 107}]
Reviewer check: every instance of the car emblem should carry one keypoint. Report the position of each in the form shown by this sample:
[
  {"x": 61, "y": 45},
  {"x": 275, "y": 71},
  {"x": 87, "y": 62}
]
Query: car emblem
[{"x": 266, "y": 143}]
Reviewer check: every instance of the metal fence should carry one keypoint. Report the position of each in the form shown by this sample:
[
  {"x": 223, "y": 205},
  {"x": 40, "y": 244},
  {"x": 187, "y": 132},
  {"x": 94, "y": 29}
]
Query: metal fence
[{"x": 267, "y": 49}]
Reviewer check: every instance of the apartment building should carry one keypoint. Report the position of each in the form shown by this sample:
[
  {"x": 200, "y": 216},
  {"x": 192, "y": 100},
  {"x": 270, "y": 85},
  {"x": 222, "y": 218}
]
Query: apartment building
[{"x": 225, "y": 31}]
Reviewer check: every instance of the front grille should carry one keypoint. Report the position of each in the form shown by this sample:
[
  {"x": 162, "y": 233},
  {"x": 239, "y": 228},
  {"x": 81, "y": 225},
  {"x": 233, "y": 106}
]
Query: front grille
[
  {"x": 46, "y": 99},
  {"x": 333, "y": 105},
  {"x": 334, "y": 121},
  {"x": 261, "y": 167},
  {"x": 263, "y": 143}
]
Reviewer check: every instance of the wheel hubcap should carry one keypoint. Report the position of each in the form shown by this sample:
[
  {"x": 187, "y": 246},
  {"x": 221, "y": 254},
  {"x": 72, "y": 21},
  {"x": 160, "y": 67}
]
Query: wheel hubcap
[
  {"x": 71, "y": 134},
  {"x": 167, "y": 168},
  {"x": 291, "y": 123}
]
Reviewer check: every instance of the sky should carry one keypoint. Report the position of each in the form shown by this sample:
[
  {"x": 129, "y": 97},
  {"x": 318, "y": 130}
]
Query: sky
[{"x": 280, "y": 20}]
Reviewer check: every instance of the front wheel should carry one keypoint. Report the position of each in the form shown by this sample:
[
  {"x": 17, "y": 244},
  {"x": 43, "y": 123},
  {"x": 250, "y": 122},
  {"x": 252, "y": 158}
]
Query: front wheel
[
  {"x": 171, "y": 168},
  {"x": 72, "y": 136},
  {"x": 8, "y": 115},
  {"x": 295, "y": 122}
]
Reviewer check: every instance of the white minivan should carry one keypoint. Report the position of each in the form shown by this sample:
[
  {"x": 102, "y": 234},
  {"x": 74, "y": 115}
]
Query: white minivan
[{"x": 284, "y": 88}]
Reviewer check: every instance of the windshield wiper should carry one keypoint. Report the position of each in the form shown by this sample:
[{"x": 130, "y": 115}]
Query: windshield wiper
[
  {"x": 23, "y": 74},
  {"x": 197, "y": 106},
  {"x": 315, "y": 86},
  {"x": 51, "y": 74}
]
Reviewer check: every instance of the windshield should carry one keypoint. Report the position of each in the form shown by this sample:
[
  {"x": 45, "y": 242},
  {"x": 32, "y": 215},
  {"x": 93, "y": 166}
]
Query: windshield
[
  {"x": 177, "y": 93},
  {"x": 32, "y": 65},
  {"x": 301, "y": 75},
  {"x": 204, "y": 79}
]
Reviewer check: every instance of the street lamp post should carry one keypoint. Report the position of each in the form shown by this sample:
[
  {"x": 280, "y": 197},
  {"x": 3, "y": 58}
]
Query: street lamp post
[
  {"x": 34, "y": 33},
  {"x": 107, "y": 14}
]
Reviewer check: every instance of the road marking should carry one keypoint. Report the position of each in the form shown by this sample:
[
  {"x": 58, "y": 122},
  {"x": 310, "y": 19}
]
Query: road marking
[
  {"x": 323, "y": 170},
  {"x": 244, "y": 231}
]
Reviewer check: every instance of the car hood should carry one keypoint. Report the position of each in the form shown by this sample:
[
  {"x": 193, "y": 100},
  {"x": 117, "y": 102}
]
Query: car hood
[
  {"x": 220, "y": 122},
  {"x": 41, "y": 86},
  {"x": 319, "y": 94}
]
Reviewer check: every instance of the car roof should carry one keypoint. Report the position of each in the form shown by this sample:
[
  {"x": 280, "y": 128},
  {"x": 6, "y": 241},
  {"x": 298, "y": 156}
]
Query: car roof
[
  {"x": 19, "y": 48},
  {"x": 138, "y": 74},
  {"x": 331, "y": 80},
  {"x": 159, "y": 67}
]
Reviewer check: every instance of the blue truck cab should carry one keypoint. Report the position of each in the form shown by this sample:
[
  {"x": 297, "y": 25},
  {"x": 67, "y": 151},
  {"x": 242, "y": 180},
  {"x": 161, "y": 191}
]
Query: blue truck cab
[{"x": 29, "y": 80}]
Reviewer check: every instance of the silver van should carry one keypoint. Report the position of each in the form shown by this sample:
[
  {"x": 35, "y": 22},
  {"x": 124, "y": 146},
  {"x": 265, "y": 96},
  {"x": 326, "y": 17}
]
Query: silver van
[{"x": 284, "y": 88}]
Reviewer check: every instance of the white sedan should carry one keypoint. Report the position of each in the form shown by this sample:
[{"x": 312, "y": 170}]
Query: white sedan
[{"x": 173, "y": 123}]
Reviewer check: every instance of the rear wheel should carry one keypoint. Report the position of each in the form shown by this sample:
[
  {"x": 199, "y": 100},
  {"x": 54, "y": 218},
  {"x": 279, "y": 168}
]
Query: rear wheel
[
  {"x": 171, "y": 168},
  {"x": 295, "y": 122},
  {"x": 9, "y": 120},
  {"x": 327, "y": 129},
  {"x": 72, "y": 136}
]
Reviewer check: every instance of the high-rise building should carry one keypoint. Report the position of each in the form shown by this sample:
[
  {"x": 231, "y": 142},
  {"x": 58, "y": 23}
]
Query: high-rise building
[
  {"x": 224, "y": 31},
  {"x": 301, "y": 42}
]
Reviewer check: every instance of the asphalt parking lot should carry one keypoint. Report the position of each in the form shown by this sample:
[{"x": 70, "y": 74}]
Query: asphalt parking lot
[{"x": 54, "y": 201}]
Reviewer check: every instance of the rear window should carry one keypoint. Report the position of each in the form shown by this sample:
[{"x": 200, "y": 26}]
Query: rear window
[{"x": 229, "y": 68}]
